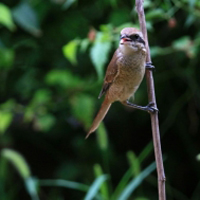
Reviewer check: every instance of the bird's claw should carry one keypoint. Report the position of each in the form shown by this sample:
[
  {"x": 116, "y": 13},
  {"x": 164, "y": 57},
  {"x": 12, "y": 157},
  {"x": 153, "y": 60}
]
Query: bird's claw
[
  {"x": 150, "y": 108},
  {"x": 149, "y": 65}
]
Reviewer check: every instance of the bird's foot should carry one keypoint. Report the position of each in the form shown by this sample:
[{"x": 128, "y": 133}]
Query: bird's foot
[
  {"x": 150, "y": 66},
  {"x": 150, "y": 108}
]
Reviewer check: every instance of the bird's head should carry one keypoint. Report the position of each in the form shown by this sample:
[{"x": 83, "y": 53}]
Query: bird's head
[{"x": 131, "y": 40}]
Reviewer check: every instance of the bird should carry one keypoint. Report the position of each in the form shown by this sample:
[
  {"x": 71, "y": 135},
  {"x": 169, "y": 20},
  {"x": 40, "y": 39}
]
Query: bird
[{"x": 124, "y": 74}]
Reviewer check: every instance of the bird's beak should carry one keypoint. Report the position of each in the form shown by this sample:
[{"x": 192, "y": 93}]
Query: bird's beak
[{"x": 124, "y": 39}]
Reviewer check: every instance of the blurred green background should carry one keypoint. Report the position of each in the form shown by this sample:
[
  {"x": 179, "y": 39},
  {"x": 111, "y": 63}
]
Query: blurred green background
[{"x": 53, "y": 56}]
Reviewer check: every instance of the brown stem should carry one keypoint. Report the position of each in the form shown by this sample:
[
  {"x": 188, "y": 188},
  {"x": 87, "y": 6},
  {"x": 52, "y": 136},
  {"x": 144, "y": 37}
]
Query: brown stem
[{"x": 152, "y": 98}]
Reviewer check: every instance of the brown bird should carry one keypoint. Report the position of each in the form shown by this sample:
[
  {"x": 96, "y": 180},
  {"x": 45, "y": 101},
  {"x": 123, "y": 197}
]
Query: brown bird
[{"x": 124, "y": 74}]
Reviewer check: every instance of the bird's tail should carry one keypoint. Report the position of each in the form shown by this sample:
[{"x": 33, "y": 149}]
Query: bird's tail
[{"x": 100, "y": 116}]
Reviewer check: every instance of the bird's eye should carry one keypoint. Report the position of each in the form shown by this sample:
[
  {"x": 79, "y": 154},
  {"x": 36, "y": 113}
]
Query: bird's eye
[{"x": 134, "y": 37}]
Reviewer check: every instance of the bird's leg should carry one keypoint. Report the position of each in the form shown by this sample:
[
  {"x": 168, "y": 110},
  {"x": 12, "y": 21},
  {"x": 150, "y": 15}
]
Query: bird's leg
[
  {"x": 149, "y": 65},
  {"x": 148, "y": 108}
]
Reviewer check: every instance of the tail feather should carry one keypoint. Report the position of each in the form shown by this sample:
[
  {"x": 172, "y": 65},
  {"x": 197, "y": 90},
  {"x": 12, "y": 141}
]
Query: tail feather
[{"x": 100, "y": 116}]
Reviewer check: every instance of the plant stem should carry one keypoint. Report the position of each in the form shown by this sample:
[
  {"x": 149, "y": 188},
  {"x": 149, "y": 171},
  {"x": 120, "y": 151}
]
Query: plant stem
[{"x": 152, "y": 98}]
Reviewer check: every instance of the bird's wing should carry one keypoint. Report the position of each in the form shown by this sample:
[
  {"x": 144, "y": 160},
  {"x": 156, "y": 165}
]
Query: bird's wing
[{"x": 111, "y": 74}]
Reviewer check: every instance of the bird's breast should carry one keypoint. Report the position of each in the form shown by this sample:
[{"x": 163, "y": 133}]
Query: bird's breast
[{"x": 131, "y": 72}]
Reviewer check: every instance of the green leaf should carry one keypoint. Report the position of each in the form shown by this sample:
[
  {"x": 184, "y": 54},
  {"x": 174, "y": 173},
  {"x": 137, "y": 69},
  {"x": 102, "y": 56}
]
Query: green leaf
[
  {"x": 122, "y": 184},
  {"x": 192, "y": 4},
  {"x": 44, "y": 122},
  {"x": 104, "y": 187},
  {"x": 6, "y": 114},
  {"x": 190, "y": 20},
  {"x": 38, "y": 113},
  {"x": 26, "y": 17},
  {"x": 84, "y": 44},
  {"x": 94, "y": 188},
  {"x": 147, "y": 4},
  {"x": 70, "y": 50},
  {"x": 18, "y": 162},
  {"x": 41, "y": 96},
  {"x": 29, "y": 114},
  {"x": 136, "y": 182},
  {"x": 133, "y": 170},
  {"x": 68, "y": 3},
  {"x": 198, "y": 157},
  {"x": 6, "y": 17},
  {"x": 83, "y": 108},
  {"x": 149, "y": 26},
  {"x": 113, "y": 3},
  {"x": 64, "y": 183},
  {"x": 5, "y": 120},
  {"x": 134, "y": 163},
  {"x": 37, "y": 109},
  {"x": 6, "y": 58},
  {"x": 155, "y": 14},
  {"x": 102, "y": 137},
  {"x": 63, "y": 78},
  {"x": 146, "y": 152},
  {"x": 106, "y": 29},
  {"x": 31, "y": 187},
  {"x": 187, "y": 45},
  {"x": 8, "y": 105},
  {"x": 22, "y": 167},
  {"x": 182, "y": 43},
  {"x": 99, "y": 52},
  {"x": 157, "y": 51}
]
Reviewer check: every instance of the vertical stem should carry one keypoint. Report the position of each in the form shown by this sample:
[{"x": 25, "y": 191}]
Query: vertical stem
[{"x": 154, "y": 116}]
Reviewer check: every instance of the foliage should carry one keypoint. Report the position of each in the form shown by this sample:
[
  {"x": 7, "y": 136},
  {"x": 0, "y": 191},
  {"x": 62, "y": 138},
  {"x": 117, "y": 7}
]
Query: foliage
[{"x": 53, "y": 56}]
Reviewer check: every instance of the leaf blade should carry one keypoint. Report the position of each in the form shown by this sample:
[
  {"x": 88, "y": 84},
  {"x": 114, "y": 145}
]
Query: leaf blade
[
  {"x": 70, "y": 50},
  {"x": 95, "y": 187},
  {"x": 135, "y": 182},
  {"x": 18, "y": 161},
  {"x": 104, "y": 187},
  {"x": 99, "y": 53},
  {"x": 27, "y": 18},
  {"x": 6, "y": 17},
  {"x": 64, "y": 183}
]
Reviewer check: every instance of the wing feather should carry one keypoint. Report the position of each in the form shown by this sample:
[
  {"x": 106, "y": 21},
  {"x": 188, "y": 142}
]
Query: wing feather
[{"x": 111, "y": 74}]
